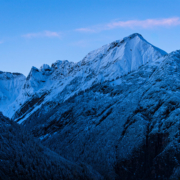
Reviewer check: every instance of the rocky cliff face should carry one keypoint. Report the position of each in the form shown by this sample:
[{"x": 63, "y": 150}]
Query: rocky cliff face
[{"x": 116, "y": 110}]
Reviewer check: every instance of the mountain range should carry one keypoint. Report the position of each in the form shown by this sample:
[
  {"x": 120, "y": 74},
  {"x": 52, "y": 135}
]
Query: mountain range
[{"x": 116, "y": 112}]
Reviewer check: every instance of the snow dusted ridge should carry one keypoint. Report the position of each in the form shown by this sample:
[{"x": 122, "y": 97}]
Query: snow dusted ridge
[
  {"x": 10, "y": 86},
  {"x": 63, "y": 79}
]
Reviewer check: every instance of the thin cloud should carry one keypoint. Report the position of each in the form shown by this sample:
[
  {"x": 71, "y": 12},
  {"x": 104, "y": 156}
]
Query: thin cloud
[
  {"x": 81, "y": 43},
  {"x": 86, "y": 30},
  {"x": 42, "y": 34},
  {"x": 148, "y": 23}
]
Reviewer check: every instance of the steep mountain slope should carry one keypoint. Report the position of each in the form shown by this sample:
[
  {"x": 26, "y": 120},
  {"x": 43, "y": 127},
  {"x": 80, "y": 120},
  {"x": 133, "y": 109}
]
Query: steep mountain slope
[
  {"x": 126, "y": 128},
  {"x": 21, "y": 157},
  {"x": 117, "y": 110},
  {"x": 10, "y": 86},
  {"x": 63, "y": 79}
]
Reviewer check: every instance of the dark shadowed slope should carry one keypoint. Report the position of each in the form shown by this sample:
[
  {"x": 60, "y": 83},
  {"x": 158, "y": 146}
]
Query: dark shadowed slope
[{"x": 21, "y": 157}]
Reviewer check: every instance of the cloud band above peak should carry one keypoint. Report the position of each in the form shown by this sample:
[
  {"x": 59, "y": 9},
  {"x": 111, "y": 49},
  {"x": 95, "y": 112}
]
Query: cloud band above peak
[
  {"x": 42, "y": 34},
  {"x": 148, "y": 23}
]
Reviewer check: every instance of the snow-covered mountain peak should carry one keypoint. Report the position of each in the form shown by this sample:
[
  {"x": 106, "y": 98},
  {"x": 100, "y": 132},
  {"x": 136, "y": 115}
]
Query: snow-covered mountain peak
[
  {"x": 111, "y": 60},
  {"x": 56, "y": 64},
  {"x": 134, "y": 35},
  {"x": 63, "y": 79},
  {"x": 45, "y": 67},
  {"x": 9, "y": 75},
  {"x": 36, "y": 79},
  {"x": 129, "y": 45},
  {"x": 59, "y": 63},
  {"x": 122, "y": 56}
]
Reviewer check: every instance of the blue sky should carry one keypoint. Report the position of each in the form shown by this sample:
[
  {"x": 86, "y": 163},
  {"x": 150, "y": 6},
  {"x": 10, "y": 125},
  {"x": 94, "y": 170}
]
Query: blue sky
[{"x": 36, "y": 32}]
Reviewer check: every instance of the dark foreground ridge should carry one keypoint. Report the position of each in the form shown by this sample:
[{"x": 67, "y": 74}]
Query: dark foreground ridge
[{"x": 22, "y": 157}]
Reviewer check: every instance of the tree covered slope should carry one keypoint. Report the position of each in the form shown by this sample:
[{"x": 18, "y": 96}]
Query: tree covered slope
[{"x": 23, "y": 157}]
